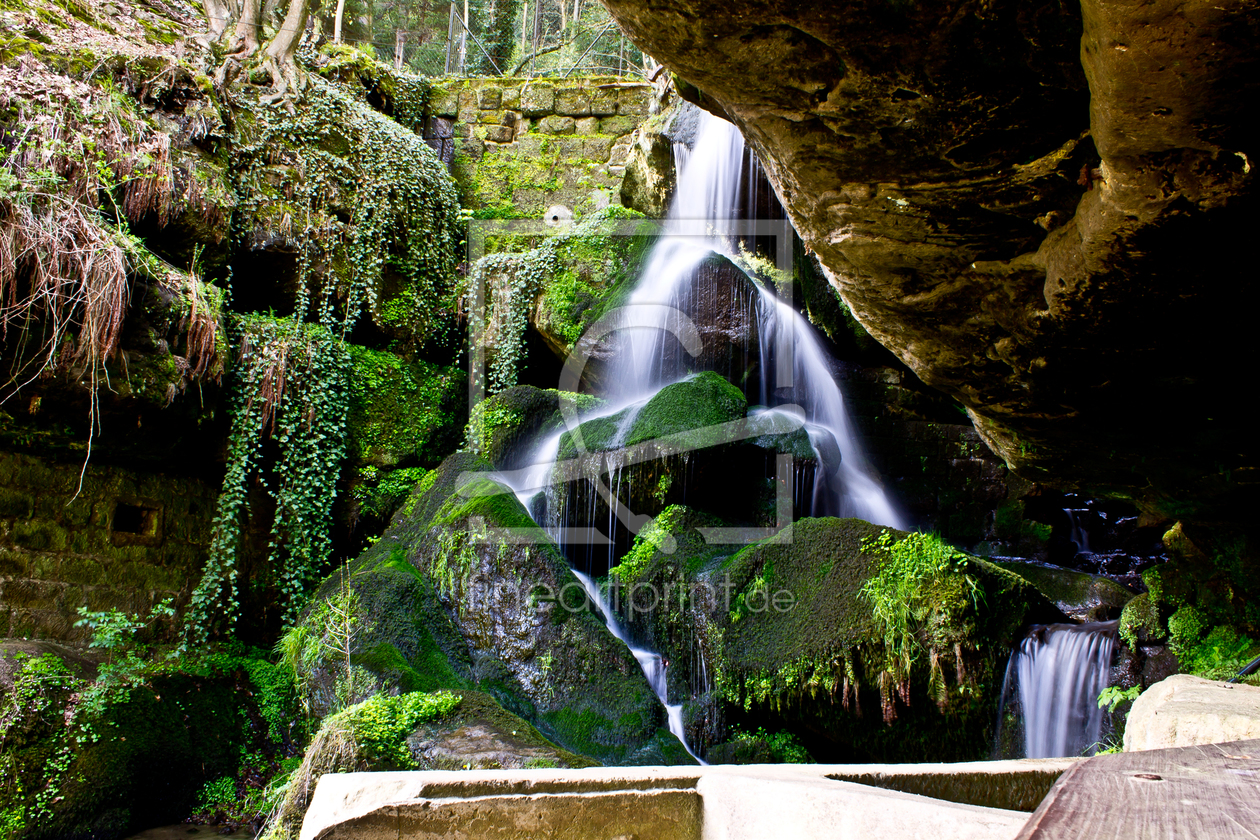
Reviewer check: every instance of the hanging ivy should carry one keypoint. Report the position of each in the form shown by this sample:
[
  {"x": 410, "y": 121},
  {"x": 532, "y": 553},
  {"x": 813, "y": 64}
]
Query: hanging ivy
[
  {"x": 291, "y": 383},
  {"x": 373, "y": 218}
]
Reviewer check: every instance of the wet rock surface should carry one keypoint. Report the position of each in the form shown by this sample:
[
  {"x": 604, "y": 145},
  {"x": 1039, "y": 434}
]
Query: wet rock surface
[{"x": 1007, "y": 196}]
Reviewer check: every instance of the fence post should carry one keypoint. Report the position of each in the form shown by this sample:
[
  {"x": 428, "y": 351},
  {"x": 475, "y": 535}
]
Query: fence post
[
  {"x": 533, "y": 61},
  {"x": 450, "y": 38}
]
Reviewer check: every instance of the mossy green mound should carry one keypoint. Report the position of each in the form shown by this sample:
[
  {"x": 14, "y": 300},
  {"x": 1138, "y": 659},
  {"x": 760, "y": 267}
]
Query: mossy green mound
[
  {"x": 694, "y": 405},
  {"x": 450, "y": 599},
  {"x": 839, "y": 628},
  {"x": 110, "y": 759}
]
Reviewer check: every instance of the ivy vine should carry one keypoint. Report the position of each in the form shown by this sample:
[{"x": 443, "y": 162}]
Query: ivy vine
[{"x": 291, "y": 383}]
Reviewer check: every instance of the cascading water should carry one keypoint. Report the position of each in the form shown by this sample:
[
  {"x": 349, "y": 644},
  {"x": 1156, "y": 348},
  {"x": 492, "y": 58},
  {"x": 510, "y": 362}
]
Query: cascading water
[
  {"x": 1055, "y": 677},
  {"x": 793, "y": 367},
  {"x": 653, "y": 665}
]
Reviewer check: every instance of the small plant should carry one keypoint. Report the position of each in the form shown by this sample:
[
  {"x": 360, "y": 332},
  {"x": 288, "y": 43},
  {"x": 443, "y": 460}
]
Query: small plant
[
  {"x": 1113, "y": 695},
  {"x": 897, "y": 594},
  {"x": 783, "y": 746}
]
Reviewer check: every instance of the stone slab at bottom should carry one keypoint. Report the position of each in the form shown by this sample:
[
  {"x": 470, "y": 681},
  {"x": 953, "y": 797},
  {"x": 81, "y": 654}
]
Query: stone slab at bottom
[
  {"x": 666, "y": 803},
  {"x": 1184, "y": 711}
]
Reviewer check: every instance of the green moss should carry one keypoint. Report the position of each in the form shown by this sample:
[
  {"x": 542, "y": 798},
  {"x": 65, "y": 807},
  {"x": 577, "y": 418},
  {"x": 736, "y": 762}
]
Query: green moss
[
  {"x": 696, "y": 404},
  {"x": 94, "y": 768},
  {"x": 403, "y": 412},
  {"x": 381, "y": 724},
  {"x": 501, "y": 424}
]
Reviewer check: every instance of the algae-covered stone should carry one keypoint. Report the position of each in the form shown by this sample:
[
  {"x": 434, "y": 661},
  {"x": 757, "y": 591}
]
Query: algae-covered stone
[
  {"x": 538, "y": 100},
  {"x": 450, "y": 600},
  {"x": 786, "y": 636}
]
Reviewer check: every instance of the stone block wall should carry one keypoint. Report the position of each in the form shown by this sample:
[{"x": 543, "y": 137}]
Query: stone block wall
[
  {"x": 122, "y": 540},
  {"x": 523, "y": 146}
]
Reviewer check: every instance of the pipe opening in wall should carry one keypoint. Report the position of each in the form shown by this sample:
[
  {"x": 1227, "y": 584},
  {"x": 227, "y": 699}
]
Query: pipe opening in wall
[{"x": 135, "y": 519}]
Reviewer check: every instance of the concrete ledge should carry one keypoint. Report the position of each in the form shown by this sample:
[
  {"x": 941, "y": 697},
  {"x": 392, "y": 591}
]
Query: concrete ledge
[{"x": 724, "y": 802}]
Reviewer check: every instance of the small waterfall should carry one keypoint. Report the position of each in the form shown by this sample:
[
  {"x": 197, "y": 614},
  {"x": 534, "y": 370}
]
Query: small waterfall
[
  {"x": 1079, "y": 536},
  {"x": 1055, "y": 677},
  {"x": 794, "y": 371},
  {"x": 653, "y": 665}
]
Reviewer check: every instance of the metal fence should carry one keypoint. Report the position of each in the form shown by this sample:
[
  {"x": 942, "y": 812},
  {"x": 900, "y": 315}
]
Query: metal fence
[{"x": 538, "y": 49}]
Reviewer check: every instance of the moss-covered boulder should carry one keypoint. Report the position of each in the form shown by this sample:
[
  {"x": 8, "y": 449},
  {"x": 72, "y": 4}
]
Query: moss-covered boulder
[
  {"x": 344, "y": 210},
  {"x": 694, "y": 405},
  {"x": 1081, "y": 596},
  {"x": 870, "y": 643},
  {"x": 441, "y": 730},
  {"x": 131, "y": 749},
  {"x": 502, "y": 427},
  {"x": 558, "y": 288},
  {"x": 463, "y": 591},
  {"x": 690, "y": 443}
]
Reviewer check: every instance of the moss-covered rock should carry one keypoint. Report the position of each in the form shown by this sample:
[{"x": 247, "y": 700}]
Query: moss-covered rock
[
  {"x": 783, "y": 633},
  {"x": 451, "y": 600},
  {"x": 558, "y": 288},
  {"x": 694, "y": 405},
  {"x": 403, "y": 412},
  {"x": 343, "y": 209},
  {"x": 501, "y": 426},
  {"x": 460, "y": 730},
  {"x": 126, "y": 753},
  {"x": 1080, "y": 595}
]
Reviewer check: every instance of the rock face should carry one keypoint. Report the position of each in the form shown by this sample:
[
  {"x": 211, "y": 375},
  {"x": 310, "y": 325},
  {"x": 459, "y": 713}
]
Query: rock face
[
  {"x": 449, "y": 599},
  {"x": 1183, "y": 711},
  {"x": 783, "y": 630},
  {"x": 1035, "y": 207}
]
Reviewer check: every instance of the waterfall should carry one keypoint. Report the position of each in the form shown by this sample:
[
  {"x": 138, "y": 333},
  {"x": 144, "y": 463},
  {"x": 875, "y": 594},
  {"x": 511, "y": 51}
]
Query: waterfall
[
  {"x": 653, "y": 665},
  {"x": 793, "y": 370},
  {"x": 1056, "y": 676},
  {"x": 794, "y": 367}
]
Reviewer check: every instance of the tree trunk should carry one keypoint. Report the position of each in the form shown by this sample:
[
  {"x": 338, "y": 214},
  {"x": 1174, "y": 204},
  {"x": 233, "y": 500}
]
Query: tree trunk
[
  {"x": 341, "y": 11},
  {"x": 279, "y": 53},
  {"x": 219, "y": 15},
  {"x": 245, "y": 40},
  {"x": 400, "y": 45}
]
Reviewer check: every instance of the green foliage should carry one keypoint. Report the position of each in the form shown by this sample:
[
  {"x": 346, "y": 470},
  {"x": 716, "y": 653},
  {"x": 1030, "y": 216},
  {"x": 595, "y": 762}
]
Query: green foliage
[
  {"x": 1219, "y": 655},
  {"x": 1113, "y": 695},
  {"x": 114, "y": 631},
  {"x": 70, "y": 749},
  {"x": 782, "y": 747},
  {"x": 403, "y": 206},
  {"x": 381, "y": 724},
  {"x": 1185, "y": 627},
  {"x": 290, "y": 384},
  {"x": 897, "y": 594},
  {"x": 573, "y": 276},
  {"x": 380, "y": 493}
]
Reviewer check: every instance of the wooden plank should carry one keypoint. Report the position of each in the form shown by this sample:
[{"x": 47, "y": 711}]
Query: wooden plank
[{"x": 1208, "y": 792}]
